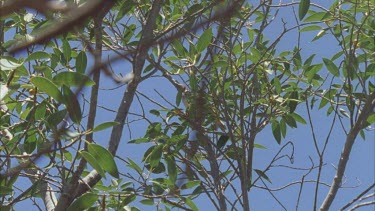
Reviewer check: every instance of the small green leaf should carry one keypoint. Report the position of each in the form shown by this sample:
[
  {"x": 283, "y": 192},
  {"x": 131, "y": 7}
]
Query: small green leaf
[
  {"x": 81, "y": 62},
  {"x": 276, "y": 130},
  {"x": 259, "y": 146},
  {"x": 263, "y": 175},
  {"x": 38, "y": 55},
  {"x": 191, "y": 204},
  {"x": 83, "y": 202},
  {"x": 303, "y": 8},
  {"x": 204, "y": 40},
  {"x": 298, "y": 118},
  {"x": 104, "y": 159},
  {"x": 72, "y": 79},
  {"x": 332, "y": 68},
  {"x": 72, "y": 105},
  {"x": 371, "y": 119},
  {"x": 139, "y": 141},
  {"x": 104, "y": 126},
  {"x": 93, "y": 162},
  {"x": 190, "y": 184},
  {"x": 48, "y": 87},
  {"x": 147, "y": 201},
  {"x": 310, "y": 28}
]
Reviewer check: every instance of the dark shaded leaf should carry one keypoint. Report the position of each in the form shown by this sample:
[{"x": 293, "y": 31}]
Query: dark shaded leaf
[
  {"x": 72, "y": 105},
  {"x": 303, "y": 8},
  {"x": 222, "y": 141}
]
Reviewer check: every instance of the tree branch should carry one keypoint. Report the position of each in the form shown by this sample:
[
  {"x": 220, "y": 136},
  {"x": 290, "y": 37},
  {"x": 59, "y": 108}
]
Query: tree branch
[{"x": 367, "y": 110}]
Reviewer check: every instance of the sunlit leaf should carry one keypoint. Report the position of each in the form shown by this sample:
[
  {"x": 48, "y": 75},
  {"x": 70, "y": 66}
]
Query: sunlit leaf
[
  {"x": 38, "y": 55},
  {"x": 93, "y": 162},
  {"x": 104, "y": 126},
  {"x": 83, "y": 202},
  {"x": 204, "y": 40},
  {"x": 191, "y": 184},
  {"x": 48, "y": 87},
  {"x": 72, "y": 79},
  {"x": 104, "y": 159},
  {"x": 332, "y": 68}
]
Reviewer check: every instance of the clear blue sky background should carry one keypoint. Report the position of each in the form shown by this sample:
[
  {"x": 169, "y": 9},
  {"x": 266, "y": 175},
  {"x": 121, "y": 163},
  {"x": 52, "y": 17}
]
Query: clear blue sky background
[{"x": 360, "y": 168}]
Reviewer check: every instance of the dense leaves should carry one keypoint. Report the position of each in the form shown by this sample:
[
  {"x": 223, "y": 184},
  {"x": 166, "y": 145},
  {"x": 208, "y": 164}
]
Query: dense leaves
[{"x": 218, "y": 90}]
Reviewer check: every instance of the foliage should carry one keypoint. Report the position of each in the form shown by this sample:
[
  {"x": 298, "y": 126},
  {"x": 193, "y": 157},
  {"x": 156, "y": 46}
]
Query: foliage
[{"x": 229, "y": 82}]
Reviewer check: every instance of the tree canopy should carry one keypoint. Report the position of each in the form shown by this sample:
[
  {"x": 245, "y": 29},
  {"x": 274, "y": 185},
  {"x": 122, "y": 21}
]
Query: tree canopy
[{"x": 176, "y": 104}]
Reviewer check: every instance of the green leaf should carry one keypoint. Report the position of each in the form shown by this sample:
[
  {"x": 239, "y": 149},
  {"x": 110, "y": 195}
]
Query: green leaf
[
  {"x": 290, "y": 121},
  {"x": 191, "y": 204},
  {"x": 48, "y": 87},
  {"x": 332, "y": 68},
  {"x": 93, "y": 162},
  {"x": 303, "y": 8},
  {"x": 222, "y": 141},
  {"x": 310, "y": 28},
  {"x": 172, "y": 168},
  {"x": 72, "y": 79},
  {"x": 204, "y": 40},
  {"x": 72, "y": 105},
  {"x": 155, "y": 156},
  {"x": 134, "y": 166},
  {"x": 67, "y": 51},
  {"x": 104, "y": 126},
  {"x": 277, "y": 84},
  {"x": 81, "y": 62},
  {"x": 190, "y": 184},
  {"x": 371, "y": 119},
  {"x": 298, "y": 118},
  {"x": 104, "y": 159},
  {"x": 259, "y": 146},
  {"x": 83, "y": 202},
  {"x": 328, "y": 96},
  {"x": 38, "y": 55},
  {"x": 139, "y": 141},
  {"x": 293, "y": 101},
  {"x": 263, "y": 175},
  {"x": 55, "y": 118},
  {"x": 276, "y": 131},
  {"x": 316, "y": 17},
  {"x": 147, "y": 201}
]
